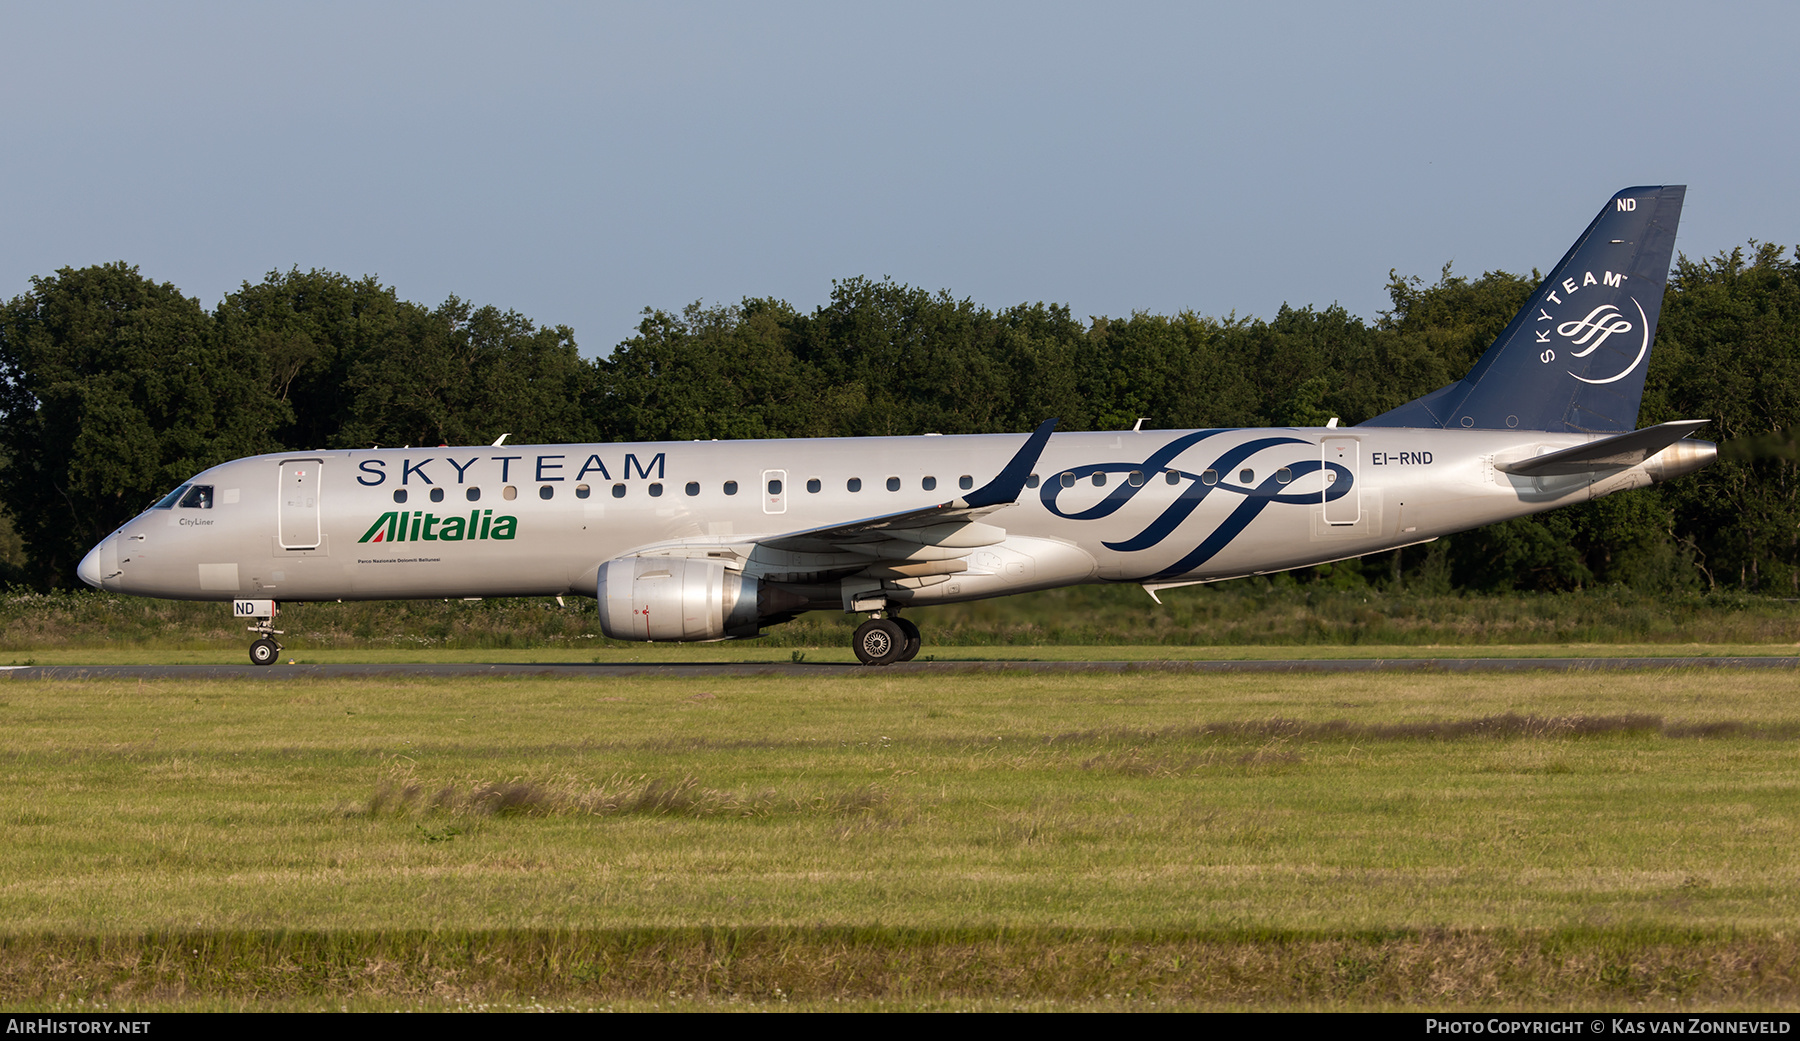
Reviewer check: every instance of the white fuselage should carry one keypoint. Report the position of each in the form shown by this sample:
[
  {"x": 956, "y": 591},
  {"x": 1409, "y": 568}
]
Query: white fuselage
[{"x": 1175, "y": 507}]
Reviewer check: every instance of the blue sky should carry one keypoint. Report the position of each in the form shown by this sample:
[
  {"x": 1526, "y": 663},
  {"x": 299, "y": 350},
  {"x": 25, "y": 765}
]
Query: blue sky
[{"x": 579, "y": 162}]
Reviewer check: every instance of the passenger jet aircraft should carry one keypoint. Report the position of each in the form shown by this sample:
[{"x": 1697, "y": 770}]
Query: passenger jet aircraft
[{"x": 711, "y": 540}]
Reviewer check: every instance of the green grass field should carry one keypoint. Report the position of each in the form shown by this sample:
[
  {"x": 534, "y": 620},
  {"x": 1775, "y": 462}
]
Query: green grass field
[{"x": 1606, "y": 840}]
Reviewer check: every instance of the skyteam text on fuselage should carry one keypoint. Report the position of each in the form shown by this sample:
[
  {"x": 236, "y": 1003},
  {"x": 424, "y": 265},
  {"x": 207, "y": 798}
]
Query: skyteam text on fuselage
[{"x": 710, "y": 540}]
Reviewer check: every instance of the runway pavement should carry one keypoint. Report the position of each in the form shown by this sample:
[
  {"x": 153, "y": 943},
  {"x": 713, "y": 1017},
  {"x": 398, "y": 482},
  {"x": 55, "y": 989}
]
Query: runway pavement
[{"x": 588, "y": 670}]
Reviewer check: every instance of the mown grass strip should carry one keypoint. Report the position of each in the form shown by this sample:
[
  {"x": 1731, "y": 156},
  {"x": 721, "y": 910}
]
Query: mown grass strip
[{"x": 616, "y": 796}]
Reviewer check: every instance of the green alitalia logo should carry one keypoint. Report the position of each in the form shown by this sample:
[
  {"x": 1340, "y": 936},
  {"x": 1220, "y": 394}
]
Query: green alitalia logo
[{"x": 419, "y": 526}]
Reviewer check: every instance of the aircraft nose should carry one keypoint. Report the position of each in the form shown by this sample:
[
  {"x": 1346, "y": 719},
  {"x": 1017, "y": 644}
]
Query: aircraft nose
[
  {"x": 101, "y": 563},
  {"x": 89, "y": 568}
]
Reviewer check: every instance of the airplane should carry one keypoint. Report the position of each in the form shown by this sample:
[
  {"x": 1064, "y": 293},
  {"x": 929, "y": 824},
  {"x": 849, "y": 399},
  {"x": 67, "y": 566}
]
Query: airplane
[{"x": 695, "y": 541}]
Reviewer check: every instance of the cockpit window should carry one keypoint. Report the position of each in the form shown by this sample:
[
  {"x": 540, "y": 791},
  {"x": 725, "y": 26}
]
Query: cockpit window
[
  {"x": 169, "y": 500},
  {"x": 199, "y": 497}
]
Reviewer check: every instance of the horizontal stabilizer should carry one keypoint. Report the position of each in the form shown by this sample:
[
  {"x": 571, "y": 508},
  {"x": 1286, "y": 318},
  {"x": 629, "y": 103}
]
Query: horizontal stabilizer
[{"x": 1613, "y": 453}]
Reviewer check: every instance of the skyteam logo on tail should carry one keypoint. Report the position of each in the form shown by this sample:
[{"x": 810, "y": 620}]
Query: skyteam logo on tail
[
  {"x": 1589, "y": 331},
  {"x": 1594, "y": 329}
]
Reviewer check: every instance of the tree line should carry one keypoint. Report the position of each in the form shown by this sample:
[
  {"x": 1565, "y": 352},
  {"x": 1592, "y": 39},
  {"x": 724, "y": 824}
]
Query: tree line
[{"x": 115, "y": 388}]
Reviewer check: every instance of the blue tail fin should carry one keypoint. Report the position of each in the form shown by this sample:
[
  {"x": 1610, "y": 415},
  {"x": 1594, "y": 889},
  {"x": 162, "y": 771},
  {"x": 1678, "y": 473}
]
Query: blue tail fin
[{"x": 1574, "y": 358}]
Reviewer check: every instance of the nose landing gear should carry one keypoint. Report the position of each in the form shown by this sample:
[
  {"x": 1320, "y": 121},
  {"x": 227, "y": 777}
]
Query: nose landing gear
[{"x": 265, "y": 650}]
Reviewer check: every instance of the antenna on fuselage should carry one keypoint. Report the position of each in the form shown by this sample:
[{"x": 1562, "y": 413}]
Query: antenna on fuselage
[{"x": 498, "y": 441}]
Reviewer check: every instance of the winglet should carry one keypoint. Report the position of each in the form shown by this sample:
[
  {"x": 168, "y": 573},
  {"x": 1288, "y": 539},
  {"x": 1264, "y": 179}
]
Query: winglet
[{"x": 1007, "y": 487}]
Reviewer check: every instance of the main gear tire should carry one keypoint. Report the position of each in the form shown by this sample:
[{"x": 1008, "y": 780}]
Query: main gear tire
[
  {"x": 913, "y": 640},
  {"x": 879, "y": 641}
]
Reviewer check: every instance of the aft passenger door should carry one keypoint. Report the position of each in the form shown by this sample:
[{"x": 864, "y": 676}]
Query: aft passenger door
[
  {"x": 1347, "y": 508},
  {"x": 298, "y": 503}
]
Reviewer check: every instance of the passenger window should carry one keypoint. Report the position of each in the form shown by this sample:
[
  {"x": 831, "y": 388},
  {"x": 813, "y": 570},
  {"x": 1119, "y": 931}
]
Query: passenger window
[
  {"x": 693, "y": 488},
  {"x": 1032, "y": 481},
  {"x": 930, "y": 484},
  {"x": 582, "y": 491},
  {"x": 1099, "y": 479},
  {"x": 399, "y": 494},
  {"x": 1209, "y": 477},
  {"x": 618, "y": 491},
  {"x": 656, "y": 490},
  {"x": 509, "y": 493},
  {"x": 813, "y": 485},
  {"x": 1136, "y": 480},
  {"x": 199, "y": 497},
  {"x": 545, "y": 491},
  {"x": 437, "y": 495},
  {"x": 1068, "y": 479},
  {"x": 1246, "y": 476},
  {"x": 473, "y": 495},
  {"x": 1284, "y": 475},
  {"x": 965, "y": 482},
  {"x": 893, "y": 484},
  {"x": 730, "y": 487},
  {"x": 1172, "y": 477},
  {"x": 854, "y": 484}
]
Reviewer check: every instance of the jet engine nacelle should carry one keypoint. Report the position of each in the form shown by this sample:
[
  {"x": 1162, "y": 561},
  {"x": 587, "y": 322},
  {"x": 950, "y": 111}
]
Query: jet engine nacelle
[{"x": 675, "y": 598}]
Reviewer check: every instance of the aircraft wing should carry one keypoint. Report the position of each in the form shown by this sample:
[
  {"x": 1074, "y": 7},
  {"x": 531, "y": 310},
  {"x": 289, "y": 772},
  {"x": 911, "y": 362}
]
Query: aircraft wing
[
  {"x": 932, "y": 525},
  {"x": 915, "y": 544},
  {"x": 1618, "y": 452}
]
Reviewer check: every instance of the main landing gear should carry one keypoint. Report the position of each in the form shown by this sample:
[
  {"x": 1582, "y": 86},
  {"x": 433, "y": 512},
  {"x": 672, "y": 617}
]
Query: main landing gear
[{"x": 886, "y": 641}]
